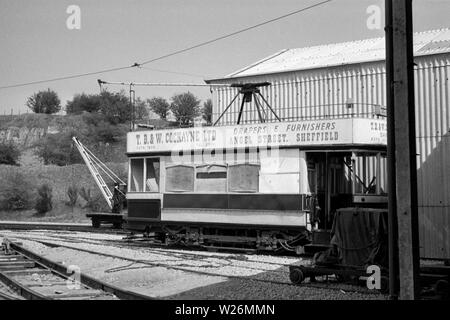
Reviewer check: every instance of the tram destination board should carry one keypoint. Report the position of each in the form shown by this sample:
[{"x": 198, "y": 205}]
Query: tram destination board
[{"x": 359, "y": 131}]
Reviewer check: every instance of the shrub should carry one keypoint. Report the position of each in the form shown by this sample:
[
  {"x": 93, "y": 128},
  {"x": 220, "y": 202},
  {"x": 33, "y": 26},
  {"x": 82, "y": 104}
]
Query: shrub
[
  {"x": 9, "y": 154},
  {"x": 92, "y": 202},
  {"x": 58, "y": 150},
  {"x": 104, "y": 132},
  {"x": 114, "y": 107},
  {"x": 72, "y": 194},
  {"x": 83, "y": 102},
  {"x": 15, "y": 191},
  {"x": 44, "y": 201},
  {"x": 45, "y": 101}
]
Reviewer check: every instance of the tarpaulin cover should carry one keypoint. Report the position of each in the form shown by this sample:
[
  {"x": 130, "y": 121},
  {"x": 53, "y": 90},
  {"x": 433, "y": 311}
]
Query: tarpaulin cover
[{"x": 360, "y": 235}]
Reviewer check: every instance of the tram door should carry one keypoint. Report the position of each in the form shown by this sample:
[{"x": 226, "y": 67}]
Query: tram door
[
  {"x": 316, "y": 180},
  {"x": 327, "y": 183}
]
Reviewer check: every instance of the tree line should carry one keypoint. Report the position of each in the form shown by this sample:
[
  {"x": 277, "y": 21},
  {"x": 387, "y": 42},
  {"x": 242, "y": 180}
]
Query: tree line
[
  {"x": 116, "y": 107},
  {"x": 100, "y": 121}
]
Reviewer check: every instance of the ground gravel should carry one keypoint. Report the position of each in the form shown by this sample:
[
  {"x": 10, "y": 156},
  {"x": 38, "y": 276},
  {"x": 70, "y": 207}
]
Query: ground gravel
[{"x": 182, "y": 274}]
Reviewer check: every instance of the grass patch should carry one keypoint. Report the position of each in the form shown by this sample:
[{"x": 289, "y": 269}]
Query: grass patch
[{"x": 59, "y": 179}]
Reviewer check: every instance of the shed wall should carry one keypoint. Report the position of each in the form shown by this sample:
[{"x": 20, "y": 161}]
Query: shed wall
[{"x": 327, "y": 93}]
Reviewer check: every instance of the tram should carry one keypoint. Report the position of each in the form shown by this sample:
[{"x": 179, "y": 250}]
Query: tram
[{"x": 266, "y": 186}]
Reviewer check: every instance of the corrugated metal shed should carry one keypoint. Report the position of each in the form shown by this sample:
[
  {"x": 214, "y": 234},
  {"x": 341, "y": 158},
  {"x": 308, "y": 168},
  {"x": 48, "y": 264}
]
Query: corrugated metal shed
[
  {"x": 317, "y": 82},
  {"x": 330, "y": 55}
]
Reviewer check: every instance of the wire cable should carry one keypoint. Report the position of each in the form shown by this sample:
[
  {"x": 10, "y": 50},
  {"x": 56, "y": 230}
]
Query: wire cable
[
  {"x": 66, "y": 77},
  {"x": 235, "y": 33},
  {"x": 173, "y": 72},
  {"x": 169, "y": 54}
]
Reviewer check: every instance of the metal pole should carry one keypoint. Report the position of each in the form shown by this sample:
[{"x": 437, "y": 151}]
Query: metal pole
[
  {"x": 255, "y": 98},
  {"x": 405, "y": 149},
  {"x": 392, "y": 205},
  {"x": 276, "y": 116},
  {"x": 162, "y": 84},
  {"x": 241, "y": 110},
  {"x": 132, "y": 108},
  {"x": 235, "y": 97}
]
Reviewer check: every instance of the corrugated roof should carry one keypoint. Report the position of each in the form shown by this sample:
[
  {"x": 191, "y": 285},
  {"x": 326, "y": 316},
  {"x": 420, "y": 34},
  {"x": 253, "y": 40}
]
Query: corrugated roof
[{"x": 425, "y": 43}]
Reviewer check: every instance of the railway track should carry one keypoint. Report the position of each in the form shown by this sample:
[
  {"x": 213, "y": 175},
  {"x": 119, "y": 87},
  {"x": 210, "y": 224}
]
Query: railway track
[
  {"x": 36, "y": 278},
  {"x": 254, "y": 268},
  {"x": 82, "y": 227},
  {"x": 280, "y": 275},
  {"x": 132, "y": 239}
]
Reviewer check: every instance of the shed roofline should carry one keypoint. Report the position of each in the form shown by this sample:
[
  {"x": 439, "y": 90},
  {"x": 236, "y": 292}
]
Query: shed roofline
[
  {"x": 226, "y": 78},
  {"x": 236, "y": 74}
]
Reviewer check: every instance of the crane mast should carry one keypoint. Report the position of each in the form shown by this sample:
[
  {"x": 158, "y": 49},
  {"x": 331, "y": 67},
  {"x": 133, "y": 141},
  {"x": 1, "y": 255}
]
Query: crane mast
[{"x": 94, "y": 164}]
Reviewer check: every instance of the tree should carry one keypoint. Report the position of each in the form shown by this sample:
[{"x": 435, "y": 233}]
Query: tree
[
  {"x": 9, "y": 154},
  {"x": 44, "y": 102},
  {"x": 160, "y": 106},
  {"x": 140, "y": 109},
  {"x": 207, "y": 111},
  {"x": 83, "y": 102},
  {"x": 115, "y": 107},
  {"x": 185, "y": 107}
]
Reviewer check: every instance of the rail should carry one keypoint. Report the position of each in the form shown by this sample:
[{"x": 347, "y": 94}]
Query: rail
[{"x": 59, "y": 270}]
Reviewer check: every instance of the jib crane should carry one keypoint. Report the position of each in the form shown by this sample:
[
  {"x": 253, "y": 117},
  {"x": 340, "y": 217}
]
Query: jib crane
[{"x": 116, "y": 199}]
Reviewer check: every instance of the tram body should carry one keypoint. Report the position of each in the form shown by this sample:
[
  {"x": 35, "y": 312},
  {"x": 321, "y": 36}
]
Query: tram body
[{"x": 256, "y": 185}]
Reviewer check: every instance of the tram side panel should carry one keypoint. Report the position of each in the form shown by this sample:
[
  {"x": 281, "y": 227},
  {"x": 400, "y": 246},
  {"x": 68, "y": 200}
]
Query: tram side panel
[{"x": 262, "y": 189}]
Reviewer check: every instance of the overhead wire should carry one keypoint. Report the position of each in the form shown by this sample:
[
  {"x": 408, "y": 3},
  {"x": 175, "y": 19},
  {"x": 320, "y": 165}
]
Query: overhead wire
[
  {"x": 168, "y": 54},
  {"x": 65, "y": 77},
  {"x": 173, "y": 72},
  {"x": 235, "y": 33}
]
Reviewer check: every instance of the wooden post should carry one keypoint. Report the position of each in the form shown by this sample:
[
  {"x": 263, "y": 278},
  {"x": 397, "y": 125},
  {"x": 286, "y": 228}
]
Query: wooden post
[
  {"x": 402, "y": 84},
  {"x": 378, "y": 175},
  {"x": 392, "y": 199}
]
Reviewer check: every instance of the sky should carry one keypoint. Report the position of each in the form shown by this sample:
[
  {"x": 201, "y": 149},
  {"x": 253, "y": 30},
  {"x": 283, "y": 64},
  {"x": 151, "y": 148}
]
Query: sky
[{"x": 36, "y": 44}]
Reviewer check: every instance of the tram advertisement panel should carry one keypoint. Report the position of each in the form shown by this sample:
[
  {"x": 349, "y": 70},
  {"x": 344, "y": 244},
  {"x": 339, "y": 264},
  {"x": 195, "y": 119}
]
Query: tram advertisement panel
[{"x": 276, "y": 134}]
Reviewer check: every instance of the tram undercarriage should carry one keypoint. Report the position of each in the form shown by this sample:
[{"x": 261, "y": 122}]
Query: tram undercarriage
[{"x": 221, "y": 237}]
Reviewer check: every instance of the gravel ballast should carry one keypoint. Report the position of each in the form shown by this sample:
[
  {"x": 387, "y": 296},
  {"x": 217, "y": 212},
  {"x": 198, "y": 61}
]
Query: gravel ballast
[{"x": 181, "y": 274}]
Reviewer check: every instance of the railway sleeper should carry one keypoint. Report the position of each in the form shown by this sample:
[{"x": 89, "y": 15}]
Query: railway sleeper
[{"x": 34, "y": 277}]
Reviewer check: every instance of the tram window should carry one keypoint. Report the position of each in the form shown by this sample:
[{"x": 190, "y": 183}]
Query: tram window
[
  {"x": 152, "y": 178},
  {"x": 211, "y": 178},
  {"x": 179, "y": 178},
  {"x": 137, "y": 175},
  {"x": 243, "y": 178}
]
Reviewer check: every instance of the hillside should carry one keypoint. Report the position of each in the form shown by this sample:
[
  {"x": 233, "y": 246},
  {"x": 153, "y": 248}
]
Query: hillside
[{"x": 29, "y": 131}]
